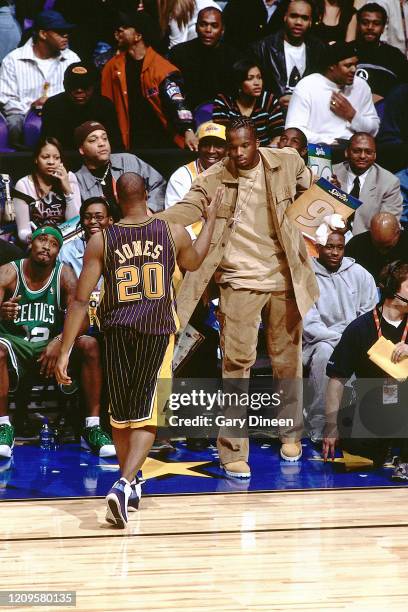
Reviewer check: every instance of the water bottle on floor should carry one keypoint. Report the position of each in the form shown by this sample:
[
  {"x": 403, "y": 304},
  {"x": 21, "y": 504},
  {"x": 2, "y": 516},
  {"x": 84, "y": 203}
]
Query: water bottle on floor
[{"x": 46, "y": 437}]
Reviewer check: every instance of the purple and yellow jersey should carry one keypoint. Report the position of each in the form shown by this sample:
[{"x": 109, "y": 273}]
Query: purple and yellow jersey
[{"x": 139, "y": 263}]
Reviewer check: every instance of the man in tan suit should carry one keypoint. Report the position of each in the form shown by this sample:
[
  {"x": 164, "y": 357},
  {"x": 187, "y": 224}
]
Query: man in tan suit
[{"x": 260, "y": 264}]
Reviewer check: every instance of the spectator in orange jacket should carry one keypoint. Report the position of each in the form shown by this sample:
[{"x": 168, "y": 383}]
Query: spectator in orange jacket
[{"x": 146, "y": 91}]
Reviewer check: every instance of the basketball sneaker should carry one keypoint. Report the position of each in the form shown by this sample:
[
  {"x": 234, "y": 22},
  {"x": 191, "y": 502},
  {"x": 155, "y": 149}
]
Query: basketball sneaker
[
  {"x": 162, "y": 445},
  {"x": 136, "y": 494},
  {"x": 237, "y": 469},
  {"x": 6, "y": 440},
  {"x": 400, "y": 471},
  {"x": 98, "y": 441},
  {"x": 117, "y": 500},
  {"x": 291, "y": 451},
  {"x": 133, "y": 501},
  {"x": 391, "y": 460}
]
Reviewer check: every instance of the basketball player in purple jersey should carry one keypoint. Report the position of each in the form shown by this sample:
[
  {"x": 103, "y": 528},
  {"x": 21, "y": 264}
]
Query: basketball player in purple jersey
[{"x": 136, "y": 257}]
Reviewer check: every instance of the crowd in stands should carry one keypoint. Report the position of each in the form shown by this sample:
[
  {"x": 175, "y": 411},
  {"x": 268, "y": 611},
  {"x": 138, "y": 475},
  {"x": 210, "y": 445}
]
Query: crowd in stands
[
  {"x": 168, "y": 66},
  {"x": 110, "y": 79}
]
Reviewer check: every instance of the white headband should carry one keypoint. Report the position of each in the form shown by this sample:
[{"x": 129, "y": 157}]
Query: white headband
[{"x": 330, "y": 223}]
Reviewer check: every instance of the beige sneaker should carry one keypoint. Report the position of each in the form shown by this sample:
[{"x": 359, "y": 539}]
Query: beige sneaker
[
  {"x": 237, "y": 469},
  {"x": 291, "y": 451}
]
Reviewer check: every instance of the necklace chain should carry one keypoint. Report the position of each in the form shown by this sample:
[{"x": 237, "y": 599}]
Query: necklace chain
[
  {"x": 241, "y": 207},
  {"x": 102, "y": 180}
]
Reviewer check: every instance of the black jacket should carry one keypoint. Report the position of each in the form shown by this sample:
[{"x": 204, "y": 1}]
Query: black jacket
[
  {"x": 246, "y": 21},
  {"x": 382, "y": 66},
  {"x": 206, "y": 70},
  {"x": 270, "y": 54},
  {"x": 60, "y": 117},
  {"x": 394, "y": 123},
  {"x": 361, "y": 249}
]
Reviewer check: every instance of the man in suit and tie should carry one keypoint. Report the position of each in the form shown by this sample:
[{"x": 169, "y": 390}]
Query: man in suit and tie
[{"x": 360, "y": 176}]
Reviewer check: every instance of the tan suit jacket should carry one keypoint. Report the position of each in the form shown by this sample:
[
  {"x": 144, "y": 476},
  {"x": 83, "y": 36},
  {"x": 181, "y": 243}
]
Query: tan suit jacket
[{"x": 286, "y": 176}]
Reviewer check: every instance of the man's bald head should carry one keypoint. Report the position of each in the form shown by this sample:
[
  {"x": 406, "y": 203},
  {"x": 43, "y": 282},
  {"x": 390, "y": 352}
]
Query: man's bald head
[
  {"x": 131, "y": 186},
  {"x": 385, "y": 231},
  {"x": 358, "y": 136}
]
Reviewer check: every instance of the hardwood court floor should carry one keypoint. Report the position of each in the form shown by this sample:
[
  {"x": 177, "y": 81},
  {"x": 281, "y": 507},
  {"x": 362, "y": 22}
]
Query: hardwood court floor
[{"x": 294, "y": 550}]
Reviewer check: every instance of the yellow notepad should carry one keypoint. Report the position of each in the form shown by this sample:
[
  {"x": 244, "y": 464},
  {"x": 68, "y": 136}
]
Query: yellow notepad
[{"x": 380, "y": 353}]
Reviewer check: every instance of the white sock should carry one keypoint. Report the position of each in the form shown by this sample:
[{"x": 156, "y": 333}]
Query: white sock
[
  {"x": 125, "y": 479},
  {"x": 91, "y": 421},
  {"x": 5, "y": 420}
]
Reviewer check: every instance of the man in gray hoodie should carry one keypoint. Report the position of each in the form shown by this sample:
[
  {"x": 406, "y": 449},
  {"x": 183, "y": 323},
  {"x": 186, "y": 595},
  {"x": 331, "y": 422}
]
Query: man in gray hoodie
[{"x": 347, "y": 291}]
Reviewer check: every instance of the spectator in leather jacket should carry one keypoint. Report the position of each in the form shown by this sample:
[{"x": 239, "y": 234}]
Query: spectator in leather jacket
[
  {"x": 146, "y": 90},
  {"x": 246, "y": 22},
  {"x": 289, "y": 54}
]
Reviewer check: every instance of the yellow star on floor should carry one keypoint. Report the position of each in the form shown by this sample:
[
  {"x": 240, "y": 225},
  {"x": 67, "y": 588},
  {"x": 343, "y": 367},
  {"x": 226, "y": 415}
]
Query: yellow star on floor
[
  {"x": 350, "y": 461},
  {"x": 152, "y": 468}
]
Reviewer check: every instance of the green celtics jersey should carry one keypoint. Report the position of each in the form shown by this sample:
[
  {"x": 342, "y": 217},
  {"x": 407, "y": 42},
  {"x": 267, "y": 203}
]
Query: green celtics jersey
[{"x": 40, "y": 316}]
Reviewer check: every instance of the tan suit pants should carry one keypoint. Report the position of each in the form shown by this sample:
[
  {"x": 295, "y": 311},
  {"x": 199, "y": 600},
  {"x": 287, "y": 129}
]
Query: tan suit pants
[{"x": 240, "y": 316}]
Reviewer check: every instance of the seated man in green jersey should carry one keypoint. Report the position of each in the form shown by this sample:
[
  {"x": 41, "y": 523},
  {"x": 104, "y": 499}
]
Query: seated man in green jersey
[{"x": 34, "y": 293}]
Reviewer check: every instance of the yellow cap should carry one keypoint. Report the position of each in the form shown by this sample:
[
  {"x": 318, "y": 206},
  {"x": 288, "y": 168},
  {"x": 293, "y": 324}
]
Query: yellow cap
[{"x": 212, "y": 130}]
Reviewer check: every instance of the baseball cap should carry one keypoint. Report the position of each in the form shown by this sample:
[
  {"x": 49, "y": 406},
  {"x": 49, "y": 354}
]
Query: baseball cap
[
  {"x": 339, "y": 51},
  {"x": 126, "y": 20},
  {"x": 51, "y": 20},
  {"x": 82, "y": 131},
  {"x": 138, "y": 20},
  {"x": 79, "y": 75},
  {"x": 211, "y": 130}
]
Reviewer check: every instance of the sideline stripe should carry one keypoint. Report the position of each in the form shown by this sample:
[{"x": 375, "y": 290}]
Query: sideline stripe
[{"x": 205, "y": 533}]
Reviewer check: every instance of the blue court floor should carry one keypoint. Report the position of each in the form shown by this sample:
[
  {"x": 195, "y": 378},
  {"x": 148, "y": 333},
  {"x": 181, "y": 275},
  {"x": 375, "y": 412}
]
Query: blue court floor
[{"x": 33, "y": 473}]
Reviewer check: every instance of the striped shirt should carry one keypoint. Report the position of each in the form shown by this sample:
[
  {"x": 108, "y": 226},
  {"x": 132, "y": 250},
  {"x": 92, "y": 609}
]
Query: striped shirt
[
  {"x": 139, "y": 263},
  {"x": 22, "y": 78},
  {"x": 266, "y": 115}
]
